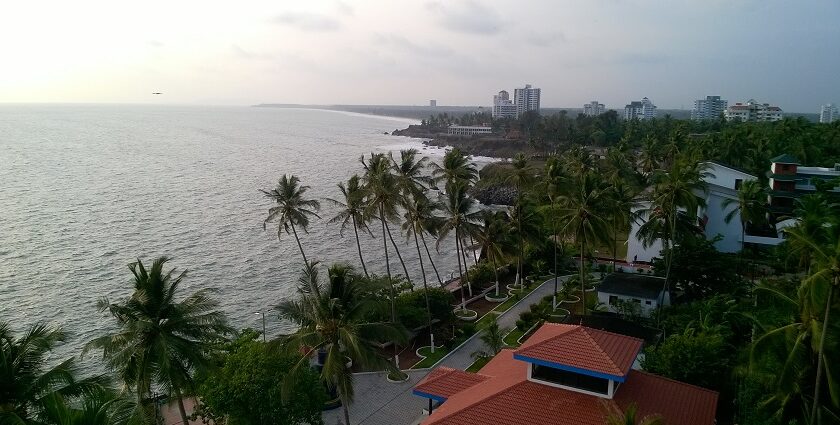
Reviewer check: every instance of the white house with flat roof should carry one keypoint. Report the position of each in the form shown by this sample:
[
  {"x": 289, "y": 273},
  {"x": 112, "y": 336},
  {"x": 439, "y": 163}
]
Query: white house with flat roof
[{"x": 468, "y": 130}]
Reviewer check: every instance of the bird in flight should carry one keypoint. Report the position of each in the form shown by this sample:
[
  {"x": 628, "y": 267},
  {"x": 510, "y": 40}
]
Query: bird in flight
[{"x": 157, "y": 93}]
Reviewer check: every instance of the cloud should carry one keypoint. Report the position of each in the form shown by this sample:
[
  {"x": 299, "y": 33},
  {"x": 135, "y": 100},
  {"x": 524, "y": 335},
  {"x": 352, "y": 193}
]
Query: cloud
[
  {"x": 399, "y": 42},
  {"x": 344, "y": 8},
  {"x": 641, "y": 58},
  {"x": 544, "y": 39},
  {"x": 467, "y": 17},
  {"x": 307, "y": 21},
  {"x": 155, "y": 43},
  {"x": 245, "y": 54}
]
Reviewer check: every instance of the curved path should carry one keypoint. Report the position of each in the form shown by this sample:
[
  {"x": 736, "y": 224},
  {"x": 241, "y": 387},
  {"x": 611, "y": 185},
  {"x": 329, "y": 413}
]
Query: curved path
[{"x": 379, "y": 402}]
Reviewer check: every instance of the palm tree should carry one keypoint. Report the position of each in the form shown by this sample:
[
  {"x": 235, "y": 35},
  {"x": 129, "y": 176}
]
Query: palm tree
[
  {"x": 493, "y": 339},
  {"x": 26, "y": 381},
  {"x": 649, "y": 156},
  {"x": 750, "y": 206},
  {"x": 455, "y": 167},
  {"x": 100, "y": 406},
  {"x": 811, "y": 212},
  {"x": 383, "y": 197},
  {"x": 160, "y": 341},
  {"x": 623, "y": 201},
  {"x": 352, "y": 212},
  {"x": 293, "y": 209},
  {"x": 409, "y": 171},
  {"x": 583, "y": 209},
  {"x": 492, "y": 238},
  {"x": 335, "y": 319},
  {"x": 826, "y": 258},
  {"x": 459, "y": 217},
  {"x": 416, "y": 207},
  {"x": 522, "y": 176},
  {"x": 629, "y": 416}
]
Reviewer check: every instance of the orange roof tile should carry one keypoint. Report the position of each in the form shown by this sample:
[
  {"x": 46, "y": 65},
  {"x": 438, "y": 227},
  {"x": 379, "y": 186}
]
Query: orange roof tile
[
  {"x": 443, "y": 382},
  {"x": 504, "y": 396},
  {"x": 582, "y": 349}
]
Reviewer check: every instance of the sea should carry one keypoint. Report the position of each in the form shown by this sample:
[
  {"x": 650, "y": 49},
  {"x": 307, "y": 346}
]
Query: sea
[{"x": 86, "y": 189}]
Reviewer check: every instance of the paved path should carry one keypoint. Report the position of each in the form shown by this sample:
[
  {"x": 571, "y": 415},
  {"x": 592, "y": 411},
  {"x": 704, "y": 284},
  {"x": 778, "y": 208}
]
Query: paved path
[{"x": 379, "y": 402}]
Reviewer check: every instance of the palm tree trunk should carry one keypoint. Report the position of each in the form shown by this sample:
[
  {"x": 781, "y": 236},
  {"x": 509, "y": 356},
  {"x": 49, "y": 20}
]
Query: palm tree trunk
[
  {"x": 460, "y": 273},
  {"x": 397, "y": 250},
  {"x": 300, "y": 247},
  {"x": 554, "y": 296},
  {"x": 344, "y": 407},
  {"x": 359, "y": 246},
  {"x": 821, "y": 353},
  {"x": 466, "y": 270},
  {"x": 475, "y": 257},
  {"x": 426, "y": 292},
  {"x": 496, "y": 273},
  {"x": 181, "y": 408},
  {"x": 582, "y": 289},
  {"x": 391, "y": 285},
  {"x": 521, "y": 266},
  {"x": 423, "y": 238}
]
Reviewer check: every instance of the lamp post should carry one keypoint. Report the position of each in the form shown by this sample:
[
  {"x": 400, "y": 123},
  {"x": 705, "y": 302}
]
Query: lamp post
[{"x": 263, "y": 322}]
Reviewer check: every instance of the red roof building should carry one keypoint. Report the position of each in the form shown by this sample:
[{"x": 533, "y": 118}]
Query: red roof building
[{"x": 563, "y": 375}]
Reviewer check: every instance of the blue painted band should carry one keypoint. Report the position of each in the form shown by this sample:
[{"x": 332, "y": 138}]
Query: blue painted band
[
  {"x": 427, "y": 395},
  {"x": 569, "y": 368}
]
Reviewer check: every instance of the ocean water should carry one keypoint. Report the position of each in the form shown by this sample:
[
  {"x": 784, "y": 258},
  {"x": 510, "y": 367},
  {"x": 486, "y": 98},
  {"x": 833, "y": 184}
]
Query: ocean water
[{"x": 87, "y": 189}]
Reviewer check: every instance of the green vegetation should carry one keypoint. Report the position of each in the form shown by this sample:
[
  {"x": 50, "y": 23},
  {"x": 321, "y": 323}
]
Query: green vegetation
[
  {"x": 430, "y": 359},
  {"x": 478, "y": 364}
]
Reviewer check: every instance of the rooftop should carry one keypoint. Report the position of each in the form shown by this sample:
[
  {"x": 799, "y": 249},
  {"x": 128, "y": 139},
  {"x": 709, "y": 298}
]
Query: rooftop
[
  {"x": 632, "y": 285},
  {"x": 581, "y": 350},
  {"x": 505, "y": 396},
  {"x": 785, "y": 159},
  {"x": 444, "y": 382}
]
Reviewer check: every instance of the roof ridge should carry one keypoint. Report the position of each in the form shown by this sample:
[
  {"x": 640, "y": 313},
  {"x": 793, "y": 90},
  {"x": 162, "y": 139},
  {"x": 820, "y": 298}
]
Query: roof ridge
[
  {"x": 597, "y": 345},
  {"x": 675, "y": 381},
  {"x": 445, "y": 371}
]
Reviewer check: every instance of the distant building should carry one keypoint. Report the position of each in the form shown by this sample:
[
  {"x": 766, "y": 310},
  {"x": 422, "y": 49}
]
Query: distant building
[
  {"x": 788, "y": 181},
  {"x": 468, "y": 130},
  {"x": 641, "y": 110},
  {"x": 526, "y": 99},
  {"x": 593, "y": 109},
  {"x": 644, "y": 292},
  {"x": 433, "y": 103},
  {"x": 502, "y": 106},
  {"x": 829, "y": 114},
  {"x": 752, "y": 111},
  {"x": 709, "y": 108}
]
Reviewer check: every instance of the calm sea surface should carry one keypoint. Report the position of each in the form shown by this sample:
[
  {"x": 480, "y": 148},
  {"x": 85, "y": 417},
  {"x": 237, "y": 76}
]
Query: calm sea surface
[{"x": 87, "y": 189}]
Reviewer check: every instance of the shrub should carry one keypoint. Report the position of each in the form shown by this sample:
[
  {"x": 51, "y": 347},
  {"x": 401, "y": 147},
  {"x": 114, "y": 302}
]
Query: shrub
[
  {"x": 411, "y": 307},
  {"x": 481, "y": 275},
  {"x": 522, "y": 325}
]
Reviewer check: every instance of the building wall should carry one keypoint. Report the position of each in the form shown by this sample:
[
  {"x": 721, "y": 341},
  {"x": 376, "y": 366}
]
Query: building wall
[
  {"x": 526, "y": 99},
  {"x": 462, "y": 130},
  {"x": 646, "y": 309},
  {"x": 829, "y": 113},
  {"x": 636, "y": 251}
]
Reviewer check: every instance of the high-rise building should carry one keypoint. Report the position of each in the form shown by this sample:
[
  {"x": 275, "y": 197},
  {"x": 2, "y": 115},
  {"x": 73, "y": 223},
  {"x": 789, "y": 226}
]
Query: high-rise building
[
  {"x": 641, "y": 110},
  {"x": 433, "y": 103},
  {"x": 502, "y": 106},
  {"x": 593, "y": 109},
  {"x": 709, "y": 108},
  {"x": 828, "y": 113},
  {"x": 526, "y": 99},
  {"x": 752, "y": 111}
]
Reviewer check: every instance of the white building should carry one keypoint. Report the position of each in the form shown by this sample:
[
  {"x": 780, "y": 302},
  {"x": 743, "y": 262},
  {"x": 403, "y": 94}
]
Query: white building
[
  {"x": 433, "y": 103},
  {"x": 709, "y": 108},
  {"x": 641, "y": 110},
  {"x": 502, "y": 106},
  {"x": 633, "y": 293},
  {"x": 593, "y": 109},
  {"x": 752, "y": 111},
  {"x": 468, "y": 130},
  {"x": 526, "y": 99},
  {"x": 829, "y": 114}
]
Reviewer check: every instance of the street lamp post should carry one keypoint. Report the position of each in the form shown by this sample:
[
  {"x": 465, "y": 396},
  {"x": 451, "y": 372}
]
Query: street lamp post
[{"x": 263, "y": 322}]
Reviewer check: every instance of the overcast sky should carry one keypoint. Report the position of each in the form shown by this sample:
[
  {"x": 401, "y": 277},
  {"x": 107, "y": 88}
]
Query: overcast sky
[{"x": 459, "y": 52}]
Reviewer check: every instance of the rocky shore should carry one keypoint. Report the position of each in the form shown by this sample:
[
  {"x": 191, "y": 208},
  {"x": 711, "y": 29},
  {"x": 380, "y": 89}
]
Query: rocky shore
[{"x": 491, "y": 146}]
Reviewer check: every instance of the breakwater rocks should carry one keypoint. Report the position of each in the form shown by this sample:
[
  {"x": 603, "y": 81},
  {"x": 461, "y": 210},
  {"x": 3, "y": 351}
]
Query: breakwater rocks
[{"x": 494, "y": 195}]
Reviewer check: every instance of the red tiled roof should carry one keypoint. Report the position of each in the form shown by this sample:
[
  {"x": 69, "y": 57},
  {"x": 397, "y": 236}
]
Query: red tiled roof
[
  {"x": 677, "y": 402},
  {"x": 505, "y": 397},
  {"x": 584, "y": 348},
  {"x": 445, "y": 382}
]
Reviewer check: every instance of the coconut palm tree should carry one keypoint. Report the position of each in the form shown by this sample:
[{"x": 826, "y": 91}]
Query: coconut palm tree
[
  {"x": 492, "y": 237},
  {"x": 493, "y": 338},
  {"x": 750, "y": 206},
  {"x": 352, "y": 212},
  {"x": 100, "y": 406},
  {"x": 583, "y": 210},
  {"x": 521, "y": 177},
  {"x": 811, "y": 214},
  {"x": 293, "y": 209},
  {"x": 459, "y": 217},
  {"x": 335, "y": 319},
  {"x": 455, "y": 167},
  {"x": 27, "y": 382},
  {"x": 383, "y": 198},
  {"x": 623, "y": 204},
  {"x": 416, "y": 207},
  {"x": 409, "y": 172},
  {"x": 160, "y": 341},
  {"x": 649, "y": 156}
]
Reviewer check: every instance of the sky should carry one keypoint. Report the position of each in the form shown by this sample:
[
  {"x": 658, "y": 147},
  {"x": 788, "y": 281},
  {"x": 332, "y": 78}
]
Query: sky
[{"x": 403, "y": 52}]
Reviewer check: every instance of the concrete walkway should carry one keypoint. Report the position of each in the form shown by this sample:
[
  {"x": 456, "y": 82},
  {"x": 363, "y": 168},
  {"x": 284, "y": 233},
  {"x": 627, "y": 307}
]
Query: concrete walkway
[{"x": 379, "y": 402}]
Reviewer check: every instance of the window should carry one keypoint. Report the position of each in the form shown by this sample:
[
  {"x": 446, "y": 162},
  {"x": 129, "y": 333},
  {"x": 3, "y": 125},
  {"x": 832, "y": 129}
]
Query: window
[
  {"x": 738, "y": 183},
  {"x": 613, "y": 299},
  {"x": 570, "y": 379},
  {"x": 647, "y": 302}
]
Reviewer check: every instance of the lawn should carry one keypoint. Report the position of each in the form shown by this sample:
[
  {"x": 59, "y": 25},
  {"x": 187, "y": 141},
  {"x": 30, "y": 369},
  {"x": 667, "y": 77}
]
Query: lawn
[
  {"x": 478, "y": 364},
  {"x": 511, "y": 338},
  {"x": 430, "y": 358}
]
